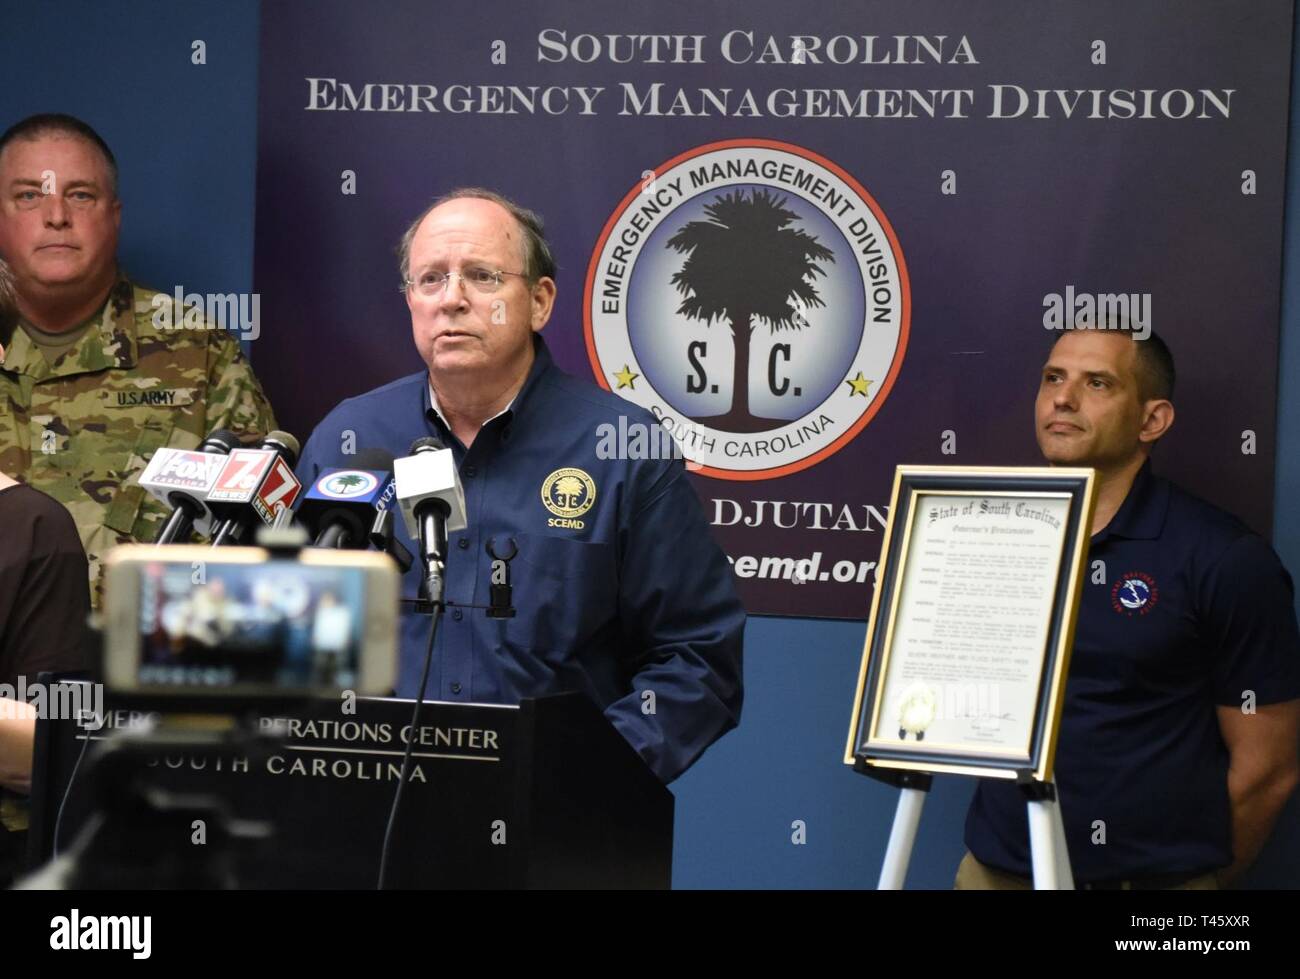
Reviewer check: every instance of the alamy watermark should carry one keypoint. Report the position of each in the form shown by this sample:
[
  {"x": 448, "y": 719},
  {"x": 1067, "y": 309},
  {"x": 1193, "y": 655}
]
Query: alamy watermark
[
  {"x": 97, "y": 932},
  {"x": 920, "y": 704},
  {"x": 1098, "y": 311},
  {"x": 56, "y": 702},
  {"x": 641, "y": 440},
  {"x": 234, "y": 312}
]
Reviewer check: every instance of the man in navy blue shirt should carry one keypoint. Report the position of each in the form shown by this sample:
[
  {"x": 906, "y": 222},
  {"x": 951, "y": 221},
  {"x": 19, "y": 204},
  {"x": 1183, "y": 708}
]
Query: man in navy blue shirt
[
  {"x": 1177, "y": 746},
  {"x": 621, "y": 591}
]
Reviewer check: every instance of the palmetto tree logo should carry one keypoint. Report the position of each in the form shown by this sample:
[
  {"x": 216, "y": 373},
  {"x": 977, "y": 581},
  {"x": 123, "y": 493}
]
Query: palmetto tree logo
[
  {"x": 567, "y": 491},
  {"x": 349, "y": 483},
  {"x": 345, "y": 483},
  {"x": 772, "y": 283},
  {"x": 753, "y": 298}
]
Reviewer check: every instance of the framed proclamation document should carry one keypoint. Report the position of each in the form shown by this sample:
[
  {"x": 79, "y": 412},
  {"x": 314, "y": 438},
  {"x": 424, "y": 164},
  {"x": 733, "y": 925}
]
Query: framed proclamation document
[{"x": 972, "y": 621}]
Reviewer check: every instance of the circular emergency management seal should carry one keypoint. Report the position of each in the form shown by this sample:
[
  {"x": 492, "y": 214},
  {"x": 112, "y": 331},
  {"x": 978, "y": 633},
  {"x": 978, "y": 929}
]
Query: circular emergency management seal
[
  {"x": 568, "y": 492},
  {"x": 349, "y": 484},
  {"x": 753, "y": 296}
]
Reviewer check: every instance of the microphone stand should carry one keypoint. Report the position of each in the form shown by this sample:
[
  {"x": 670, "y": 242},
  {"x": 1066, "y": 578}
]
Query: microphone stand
[
  {"x": 179, "y": 524},
  {"x": 433, "y": 530},
  {"x": 433, "y": 526}
]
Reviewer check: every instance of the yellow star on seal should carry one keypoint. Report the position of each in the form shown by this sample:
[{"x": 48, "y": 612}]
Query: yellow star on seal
[
  {"x": 859, "y": 385},
  {"x": 625, "y": 378}
]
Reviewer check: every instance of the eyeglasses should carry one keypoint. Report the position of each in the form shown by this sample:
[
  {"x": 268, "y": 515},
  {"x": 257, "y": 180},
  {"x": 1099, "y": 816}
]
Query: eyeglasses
[{"x": 477, "y": 278}]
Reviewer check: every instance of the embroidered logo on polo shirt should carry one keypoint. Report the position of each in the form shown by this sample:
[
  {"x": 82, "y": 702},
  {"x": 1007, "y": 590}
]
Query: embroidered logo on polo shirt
[
  {"x": 568, "y": 493},
  {"x": 1135, "y": 593}
]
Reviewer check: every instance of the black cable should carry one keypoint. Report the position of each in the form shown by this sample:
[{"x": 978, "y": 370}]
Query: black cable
[
  {"x": 67, "y": 791},
  {"x": 406, "y": 757}
]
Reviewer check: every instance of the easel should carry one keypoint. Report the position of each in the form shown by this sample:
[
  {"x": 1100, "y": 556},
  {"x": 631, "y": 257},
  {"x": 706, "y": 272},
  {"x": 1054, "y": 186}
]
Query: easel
[{"x": 1047, "y": 848}]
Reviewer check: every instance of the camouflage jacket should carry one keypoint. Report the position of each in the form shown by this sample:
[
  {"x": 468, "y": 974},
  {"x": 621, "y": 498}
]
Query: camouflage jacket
[{"x": 83, "y": 428}]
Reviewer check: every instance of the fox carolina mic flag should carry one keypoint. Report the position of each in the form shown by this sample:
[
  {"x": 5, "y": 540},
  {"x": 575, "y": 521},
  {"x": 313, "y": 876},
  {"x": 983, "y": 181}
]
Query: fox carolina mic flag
[{"x": 815, "y": 244}]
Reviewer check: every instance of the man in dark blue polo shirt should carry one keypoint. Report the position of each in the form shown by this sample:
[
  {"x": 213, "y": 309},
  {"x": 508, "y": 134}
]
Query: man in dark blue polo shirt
[
  {"x": 621, "y": 591},
  {"x": 1177, "y": 745}
]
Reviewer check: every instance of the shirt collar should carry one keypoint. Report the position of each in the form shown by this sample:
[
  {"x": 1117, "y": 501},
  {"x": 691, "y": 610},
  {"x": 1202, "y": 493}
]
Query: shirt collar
[
  {"x": 110, "y": 343},
  {"x": 1142, "y": 514},
  {"x": 541, "y": 364},
  {"x": 437, "y": 409}
]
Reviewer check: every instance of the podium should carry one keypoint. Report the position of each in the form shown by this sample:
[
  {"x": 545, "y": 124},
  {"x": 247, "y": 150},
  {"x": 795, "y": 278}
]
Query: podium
[{"x": 545, "y": 794}]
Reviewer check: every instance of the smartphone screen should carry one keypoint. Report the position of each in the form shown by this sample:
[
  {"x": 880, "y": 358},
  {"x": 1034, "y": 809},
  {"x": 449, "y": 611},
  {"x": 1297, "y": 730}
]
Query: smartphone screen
[{"x": 276, "y": 623}]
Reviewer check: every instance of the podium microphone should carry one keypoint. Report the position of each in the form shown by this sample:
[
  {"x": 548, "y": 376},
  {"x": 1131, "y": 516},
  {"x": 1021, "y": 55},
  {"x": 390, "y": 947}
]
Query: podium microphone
[
  {"x": 433, "y": 505},
  {"x": 340, "y": 508},
  {"x": 254, "y": 486},
  {"x": 182, "y": 479}
]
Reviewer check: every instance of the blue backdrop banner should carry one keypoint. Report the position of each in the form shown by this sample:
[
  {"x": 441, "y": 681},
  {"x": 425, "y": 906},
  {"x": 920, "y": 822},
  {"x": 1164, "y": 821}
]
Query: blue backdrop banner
[{"x": 815, "y": 246}]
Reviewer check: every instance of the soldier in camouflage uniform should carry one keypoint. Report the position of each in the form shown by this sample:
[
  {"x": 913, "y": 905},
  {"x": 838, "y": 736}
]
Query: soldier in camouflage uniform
[{"x": 80, "y": 420}]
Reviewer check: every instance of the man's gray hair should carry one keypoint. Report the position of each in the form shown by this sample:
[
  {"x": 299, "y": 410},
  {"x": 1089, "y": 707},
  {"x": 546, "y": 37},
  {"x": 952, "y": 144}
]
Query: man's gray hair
[
  {"x": 537, "y": 258},
  {"x": 62, "y": 124}
]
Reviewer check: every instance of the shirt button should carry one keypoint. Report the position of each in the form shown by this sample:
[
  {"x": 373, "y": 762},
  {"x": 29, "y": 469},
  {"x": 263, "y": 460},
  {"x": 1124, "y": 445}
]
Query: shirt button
[
  {"x": 470, "y": 472},
  {"x": 455, "y": 688},
  {"x": 458, "y": 615},
  {"x": 463, "y": 543}
]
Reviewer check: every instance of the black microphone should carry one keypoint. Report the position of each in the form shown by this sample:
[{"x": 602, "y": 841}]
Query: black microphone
[
  {"x": 221, "y": 441},
  {"x": 255, "y": 485},
  {"x": 433, "y": 503},
  {"x": 183, "y": 479},
  {"x": 383, "y": 538},
  {"x": 339, "y": 509}
]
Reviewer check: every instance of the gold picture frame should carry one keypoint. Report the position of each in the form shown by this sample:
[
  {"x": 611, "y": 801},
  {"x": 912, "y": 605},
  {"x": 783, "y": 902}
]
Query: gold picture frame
[{"x": 976, "y": 598}]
